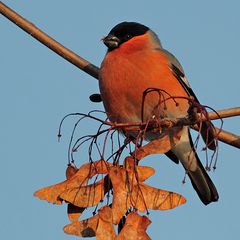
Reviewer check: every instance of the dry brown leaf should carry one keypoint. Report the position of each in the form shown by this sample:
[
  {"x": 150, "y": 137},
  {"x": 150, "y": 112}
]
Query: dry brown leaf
[
  {"x": 135, "y": 228},
  {"x": 70, "y": 171},
  {"x": 100, "y": 225},
  {"x": 129, "y": 191},
  {"x": 99, "y": 167},
  {"x": 120, "y": 203},
  {"x": 84, "y": 228},
  {"x": 80, "y": 178},
  {"x": 123, "y": 181},
  {"x": 74, "y": 212},
  {"x": 86, "y": 196},
  {"x": 105, "y": 229},
  {"x": 146, "y": 197},
  {"x": 158, "y": 146},
  {"x": 142, "y": 172}
]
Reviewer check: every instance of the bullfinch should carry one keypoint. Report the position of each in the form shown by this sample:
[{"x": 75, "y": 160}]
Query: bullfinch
[{"x": 135, "y": 62}]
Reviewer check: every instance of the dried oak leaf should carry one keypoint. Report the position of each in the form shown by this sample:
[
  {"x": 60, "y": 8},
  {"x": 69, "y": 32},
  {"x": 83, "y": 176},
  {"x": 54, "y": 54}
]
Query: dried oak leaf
[
  {"x": 70, "y": 171},
  {"x": 105, "y": 229},
  {"x": 77, "y": 180},
  {"x": 134, "y": 228},
  {"x": 74, "y": 212},
  {"x": 84, "y": 228},
  {"x": 100, "y": 225},
  {"x": 144, "y": 197},
  {"x": 130, "y": 191},
  {"x": 160, "y": 145},
  {"x": 142, "y": 172},
  {"x": 86, "y": 196}
]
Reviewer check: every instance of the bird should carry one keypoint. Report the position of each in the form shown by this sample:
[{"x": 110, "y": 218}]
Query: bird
[{"x": 135, "y": 62}]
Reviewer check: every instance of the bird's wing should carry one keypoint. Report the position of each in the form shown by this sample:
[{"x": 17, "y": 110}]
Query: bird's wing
[
  {"x": 207, "y": 130},
  {"x": 178, "y": 72}
]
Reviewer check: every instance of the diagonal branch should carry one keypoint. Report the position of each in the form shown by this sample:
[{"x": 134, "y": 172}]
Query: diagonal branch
[
  {"x": 224, "y": 113},
  {"x": 224, "y": 136},
  {"x": 93, "y": 70},
  {"x": 229, "y": 138},
  {"x": 49, "y": 42}
]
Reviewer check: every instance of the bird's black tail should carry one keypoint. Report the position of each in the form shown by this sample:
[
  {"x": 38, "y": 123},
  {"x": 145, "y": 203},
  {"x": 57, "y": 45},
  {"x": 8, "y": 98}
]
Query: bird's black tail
[
  {"x": 201, "y": 182},
  {"x": 203, "y": 185}
]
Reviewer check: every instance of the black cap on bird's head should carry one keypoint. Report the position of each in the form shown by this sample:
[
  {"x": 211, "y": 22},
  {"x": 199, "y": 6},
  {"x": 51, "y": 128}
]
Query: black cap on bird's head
[{"x": 122, "y": 33}]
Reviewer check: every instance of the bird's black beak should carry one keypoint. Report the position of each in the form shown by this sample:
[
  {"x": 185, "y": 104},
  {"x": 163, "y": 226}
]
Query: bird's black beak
[{"x": 111, "y": 42}]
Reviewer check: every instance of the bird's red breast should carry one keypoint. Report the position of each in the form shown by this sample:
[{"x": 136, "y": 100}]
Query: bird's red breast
[{"x": 128, "y": 71}]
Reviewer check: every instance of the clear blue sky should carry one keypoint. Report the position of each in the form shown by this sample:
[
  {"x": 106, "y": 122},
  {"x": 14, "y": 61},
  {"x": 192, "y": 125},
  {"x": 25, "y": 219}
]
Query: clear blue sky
[{"x": 38, "y": 88}]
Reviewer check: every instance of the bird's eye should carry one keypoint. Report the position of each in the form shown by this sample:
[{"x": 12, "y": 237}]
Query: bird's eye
[{"x": 128, "y": 36}]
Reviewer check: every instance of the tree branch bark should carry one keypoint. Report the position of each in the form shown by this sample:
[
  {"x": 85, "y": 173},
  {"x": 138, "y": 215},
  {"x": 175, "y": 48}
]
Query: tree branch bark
[
  {"x": 93, "y": 70},
  {"x": 224, "y": 113},
  {"x": 49, "y": 42}
]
